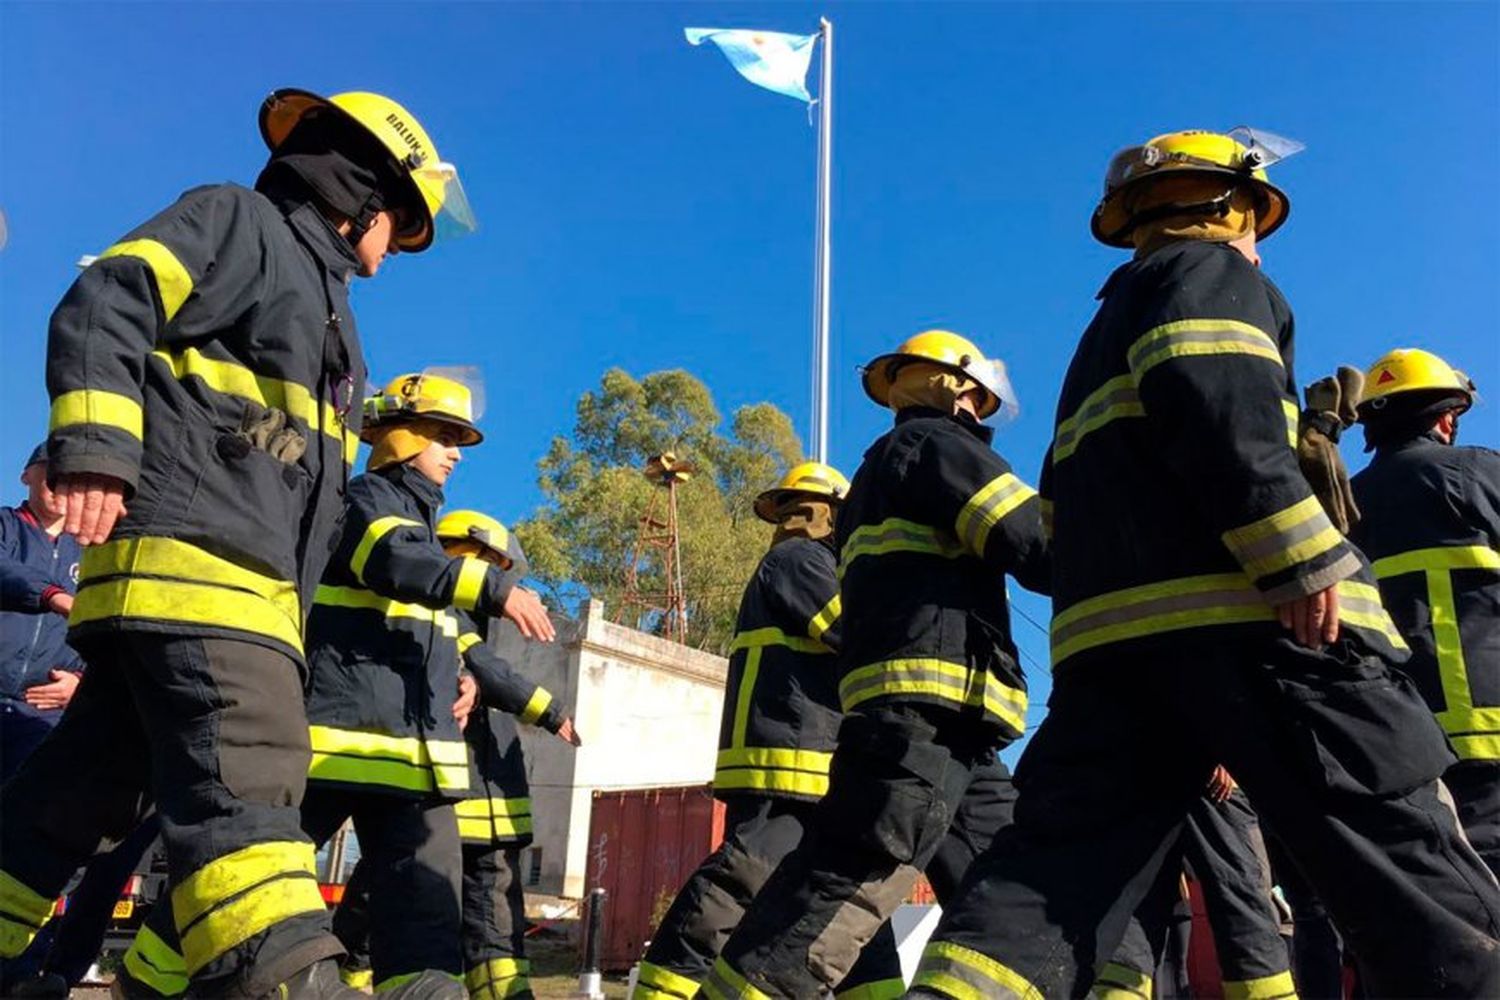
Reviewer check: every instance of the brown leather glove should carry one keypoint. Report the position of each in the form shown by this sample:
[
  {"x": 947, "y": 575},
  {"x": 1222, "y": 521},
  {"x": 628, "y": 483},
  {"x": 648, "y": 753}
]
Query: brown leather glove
[
  {"x": 267, "y": 430},
  {"x": 1331, "y": 406}
]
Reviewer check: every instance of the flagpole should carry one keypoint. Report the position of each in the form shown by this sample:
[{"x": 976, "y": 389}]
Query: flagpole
[{"x": 823, "y": 257}]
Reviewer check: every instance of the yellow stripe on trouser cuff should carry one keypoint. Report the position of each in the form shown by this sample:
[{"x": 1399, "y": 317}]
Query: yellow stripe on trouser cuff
[
  {"x": 725, "y": 983},
  {"x": 377, "y": 530},
  {"x": 394, "y": 981},
  {"x": 407, "y": 762},
  {"x": 880, "y": 989},
  {"x": 23, "y": 911},
  {"x": 824, "y": 619},
  {"x": 153, "y": 962},
  {"x": 95, "y": 406},
  {"x": 773, "y": 769},
  {"x": 1121, "y": 982},
  {"x": 656, "y": 983},
  {"x": 498, "y": 977},
  {"x": 173, "y": 282},
  {"x": 1274, "y": 987},
  {"x": 235, "y": 897},
  {"x": 358, "y": 597},
  {"x": 1196, "y": 337},
  {"x": 1284, "y": 539},
  {"x": 470, "y": 585},
  {"x": 987, "y": 507},
  {"x": 538, "y": 703},
  {"x": 969, "y": 975},
  {"x": 168, "y": 580},
  {"x": 935, "y": 679}
]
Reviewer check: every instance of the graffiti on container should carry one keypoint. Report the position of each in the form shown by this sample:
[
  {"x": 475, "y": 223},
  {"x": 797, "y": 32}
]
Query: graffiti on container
[{"x": 601, "y": 858}]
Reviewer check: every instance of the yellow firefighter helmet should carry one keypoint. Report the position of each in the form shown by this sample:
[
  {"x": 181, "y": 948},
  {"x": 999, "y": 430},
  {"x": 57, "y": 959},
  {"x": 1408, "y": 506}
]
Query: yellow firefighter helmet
[
  {"x": 447, "y": 398},
  {"x": 810, "y": 479},
  {"x": 1410, "y": 370},
  {"x": 948, "y": 350}
]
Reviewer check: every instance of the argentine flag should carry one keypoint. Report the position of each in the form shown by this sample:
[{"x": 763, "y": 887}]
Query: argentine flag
[{"x": 767, "y": 59}]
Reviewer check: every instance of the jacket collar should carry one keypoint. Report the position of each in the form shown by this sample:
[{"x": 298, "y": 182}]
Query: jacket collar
[
  {"x": 332, "y": 250},
  {"x": 1424, "y": 440},
  {"x": 426, "y": 492},
  {"x": 983, "y": 432}
]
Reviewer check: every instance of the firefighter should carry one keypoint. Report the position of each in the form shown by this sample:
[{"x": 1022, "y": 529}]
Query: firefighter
[
  {"x": 200, "y": 372},
  {"x": 1207, "y": 611},
  {"x": 929, "y": 680},
  {"x": 776, "y": 737},
  {"x": 1431, "y": 524},
  {"x": 494, "y": 822}
]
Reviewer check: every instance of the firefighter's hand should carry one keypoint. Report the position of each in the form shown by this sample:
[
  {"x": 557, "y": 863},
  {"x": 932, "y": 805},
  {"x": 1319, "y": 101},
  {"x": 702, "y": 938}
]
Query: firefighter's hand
[
  {"x": 468, "y": 697},
  {"x": 1314, "y": 619},
  {"x": 523, "y": 607},
  {"x": 568, "y": 734},
  {"x": 56, "y": 694},
  {"x": 1220, "y": 784},
  {"x": 93, "y": 503},
  {"x": 60, "y": 603}
]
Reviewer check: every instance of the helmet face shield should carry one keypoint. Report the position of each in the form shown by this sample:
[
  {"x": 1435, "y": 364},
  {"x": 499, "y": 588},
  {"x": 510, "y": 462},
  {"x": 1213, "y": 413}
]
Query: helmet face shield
[
  {"x": 446, "y": 199},
  {"x": 1262, "y": 148},
  {"x": 991, "y": 374}
]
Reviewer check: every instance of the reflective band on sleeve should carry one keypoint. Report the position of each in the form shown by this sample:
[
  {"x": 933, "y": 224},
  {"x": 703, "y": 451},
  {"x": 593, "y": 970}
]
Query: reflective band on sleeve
[
  {"x": 1112, "y": 401},
  {"x": 1195, "y": 337},
  {"x": 163, "y": 579},
  {"x": 773, "y": 769},
  {"x": 824, "y": 619},
  {"x": 153, "y": 962},
  {"x": 969, "y": 975},
  {"x": 498, "y": 978},
  {"x": 896, "y": 534},
  {"x": 468, "y": 641},
  {"x": 987, "y": 507},
  {"x": 1263, "y": 988},
  {"x": 939, "y": 679},
  {"x": 235, "y": 897},
  {"x": 1293, "y": 422},
  {"x": 1360, "y": 607},
  {"x": 657, "y": 983},
  {"x": 404, "y": 762},
  {"x": 98, "y": 408},
  {"x": 540, "y": 699},
  {"x": 377, "y": 530},
  {"x": 1283, "y": 540},
  {"x": 470, "y": 583},
  {"x": 725, "y": 983},
  {"x": 1121, "y": 982},
  {"x": 173, "y": 282},
  {"x": 358, "y": 597},
  {"x": 880, "y": 989},
  {"x": 23, "y": 912}
]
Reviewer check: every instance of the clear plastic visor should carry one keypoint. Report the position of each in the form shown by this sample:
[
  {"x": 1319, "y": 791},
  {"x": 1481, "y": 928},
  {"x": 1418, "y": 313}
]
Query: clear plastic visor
[
  {"x": 452, "y": 216},
  {"x": 991, "y": 374}
]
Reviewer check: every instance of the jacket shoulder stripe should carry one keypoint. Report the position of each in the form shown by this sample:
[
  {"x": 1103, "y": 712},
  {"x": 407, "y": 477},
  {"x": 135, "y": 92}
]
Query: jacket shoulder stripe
[{"x": 173, "y": 282}]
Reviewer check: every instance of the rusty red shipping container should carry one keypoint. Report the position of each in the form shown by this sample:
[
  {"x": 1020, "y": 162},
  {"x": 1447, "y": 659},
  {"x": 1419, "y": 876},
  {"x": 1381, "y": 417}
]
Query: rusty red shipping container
[{"x": 643, "y": 844}]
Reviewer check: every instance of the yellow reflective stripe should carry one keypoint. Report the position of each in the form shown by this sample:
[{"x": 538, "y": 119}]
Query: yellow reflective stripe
[
  {"x": 1360, "y": 606},
  {"x": 519, "y": 806},
  {"x": 1188, "y": 602},
  {"x": 1121, "y": 982},
  {"x": 792, "y": 758},
  {"x": 725, "y": 983},
  {"x": 540, "y": 699},
  {"x": 357, "y": 979},
  {"x": 23, "y": 912},
  {"x": 935, "y": 678},
  {"x": 152, "y": 961},
  {"x": 468, "y": 641},
  {"x": 1446, "y": 557},
  {"x": 357, "y": 597},
  {"x": 169, "y": 580},
  {"x": 987, "y": 507},
  {"x": 666, "y": 984},
  {"x": 377, "y": 530},
  {"x": 233, "y": 379},
  {"x": 1283, "y": 539},
  {"x": 963, "y": 973},
  {"x": 393, "y": 982},
  {"x": 824, "y": 619},
  {"x": 773, "y": 769},
  {"x": 408, "y": 762},
  {"x": 880, "y": 989},
  {"x": 173, "y": 282},
  {"x": 1195, "y": 337},
  {"x": 470, "y": 583},
  {"x": 1115, "y": 399},
  {"x": 1452, "y": 670},
  {"x": 97, "y": 407},
  {"x": 1049, "y": 518},
  {"x": 772, "y": 636},
  {"x": 1293, "y": 421},
  {"x": 235, "y": 897},
  {"x": 744, "y": 696},
  {"x": 896, "y": 534},
  {"x": 489, "y": 979},
  {"x": 1475, "y": 747},
  {"x": 1275, "y": 987}
]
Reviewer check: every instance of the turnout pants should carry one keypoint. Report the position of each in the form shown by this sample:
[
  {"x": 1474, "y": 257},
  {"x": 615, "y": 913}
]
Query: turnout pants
[
  {"x": 1222, "y": 846},
  {"x": 1338, "y": 753},
  {"x": 410, "y": 850},
  {"x": 761, "y": 832},
  {"x": 494, "y": 922},
  {"x": 213, "y": 730},
  {"x": 911, "y": 787}
]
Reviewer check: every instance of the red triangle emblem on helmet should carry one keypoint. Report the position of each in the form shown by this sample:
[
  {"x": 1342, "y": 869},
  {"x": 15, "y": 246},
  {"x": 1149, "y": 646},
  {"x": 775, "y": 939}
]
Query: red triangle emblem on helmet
[{"x": 1385, "y": 377}]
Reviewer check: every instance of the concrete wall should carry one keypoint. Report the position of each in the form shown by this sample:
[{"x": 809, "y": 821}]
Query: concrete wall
[{"x": 647, "y": 710}]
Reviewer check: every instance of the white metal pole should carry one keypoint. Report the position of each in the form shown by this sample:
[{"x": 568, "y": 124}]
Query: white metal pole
[{"x": 823, "y": 260}]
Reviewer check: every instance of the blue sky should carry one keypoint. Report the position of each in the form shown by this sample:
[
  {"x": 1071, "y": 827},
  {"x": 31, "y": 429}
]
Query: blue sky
[{"x": 643, "y": 206}]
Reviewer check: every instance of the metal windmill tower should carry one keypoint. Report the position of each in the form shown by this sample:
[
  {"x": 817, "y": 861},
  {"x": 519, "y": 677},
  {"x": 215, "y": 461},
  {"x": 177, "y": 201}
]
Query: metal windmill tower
[{"x": 657, "y": 532}]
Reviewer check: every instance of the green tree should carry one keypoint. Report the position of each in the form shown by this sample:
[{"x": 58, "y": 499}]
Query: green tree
[{"x": 580, "y": 539}]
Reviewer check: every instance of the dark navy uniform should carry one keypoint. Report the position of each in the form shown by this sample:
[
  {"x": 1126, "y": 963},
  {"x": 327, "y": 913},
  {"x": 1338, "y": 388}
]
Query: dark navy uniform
[{"x": 1181, "y": 519}]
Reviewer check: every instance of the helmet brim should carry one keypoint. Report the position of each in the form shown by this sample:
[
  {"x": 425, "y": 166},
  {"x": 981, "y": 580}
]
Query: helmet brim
[
  {"x": 469, "y": 434},
  {"x": 1111, "y": 224},
  {"x": 767, "y": 502},
  {"x": 879, "y": 375},
  {"x": 279, "y": 115}
]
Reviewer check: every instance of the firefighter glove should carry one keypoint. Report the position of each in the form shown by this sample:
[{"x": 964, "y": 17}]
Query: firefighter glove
[
  {"x": 266, "y": 429},
  {"x": 1331, "y": 403}
]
